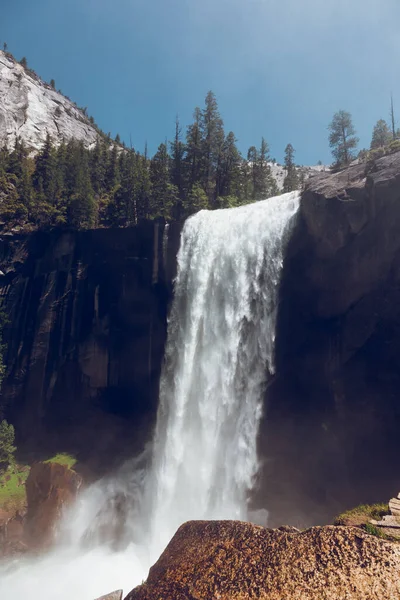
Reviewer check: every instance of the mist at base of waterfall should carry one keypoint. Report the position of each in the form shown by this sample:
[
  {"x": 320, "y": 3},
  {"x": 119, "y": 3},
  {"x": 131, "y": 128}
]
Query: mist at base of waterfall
[
  {"x": 219, "y": 352},
  {"x": 66, "y": 575}
]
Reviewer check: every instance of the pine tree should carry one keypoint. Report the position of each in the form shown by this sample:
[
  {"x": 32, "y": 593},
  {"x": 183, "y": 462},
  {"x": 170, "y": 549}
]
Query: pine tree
[
  {"x": 177, "y": 160},
  {"x": 98, "y": 162},
  {"x": 392, "y": 119},
  {"x": 124, "y": 209},
  {"x": 342, "y": 138},
  {"x": 291, "y": 181},
  {"x": 45, "y": 171},
  {"x": 265, "y": 185},
  {"x": 228, "y": 171},
  {"x": 82, "y": 206},
  {"x": 381, "y": 135},
  {"x": 195, "y": 201},
  {"x": 163, "y": 194},
  {"x": 5, "y": 46},
  {"x": 23, "y": 62},
  {"x": 47, "y": 185},
  {"x": 252, "y": 159},
  {"x": 193, "y": 151},
  {"x": 212, "y": 130},
  {"x": 26, "y": 198},
  {"x": 16, "y": 158},
  {"x": 112, "y": 180},
  {"x": 143, "y": 187}
]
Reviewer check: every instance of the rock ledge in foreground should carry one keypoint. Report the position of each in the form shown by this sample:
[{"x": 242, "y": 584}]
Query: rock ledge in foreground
[{"x": 231, "y": 560}]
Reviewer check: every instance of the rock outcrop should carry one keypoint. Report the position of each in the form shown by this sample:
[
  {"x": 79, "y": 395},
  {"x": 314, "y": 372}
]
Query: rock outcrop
[
  {"x": 50, "y": 488},
  {"x": 333, "y": 412},
  {"x": 30, "y": 109},
  {"x": 230, "y": 560},
  {"x": 390, "y": 524}
]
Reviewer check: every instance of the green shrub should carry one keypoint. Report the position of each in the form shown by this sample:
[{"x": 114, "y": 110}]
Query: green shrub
[
  {"x": 360, "y": 515},
  {"x": 394, "y": 146},
  {"x": 376, "y": 153},
  {"x": 12, "y": 488},
  {"x": 7, "y": 448},
  {"x": 372, "y": 530},
  {"x": 62, "y": 458}
]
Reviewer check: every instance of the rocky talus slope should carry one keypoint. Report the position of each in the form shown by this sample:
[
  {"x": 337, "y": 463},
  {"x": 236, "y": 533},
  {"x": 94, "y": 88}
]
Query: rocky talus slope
[
  {"x": 30, "y": 109},
  {"x": 231, "y": 560}
]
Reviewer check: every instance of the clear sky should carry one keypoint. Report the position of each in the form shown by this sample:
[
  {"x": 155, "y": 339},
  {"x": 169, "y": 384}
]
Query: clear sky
[{"x": 279, "y": 68}]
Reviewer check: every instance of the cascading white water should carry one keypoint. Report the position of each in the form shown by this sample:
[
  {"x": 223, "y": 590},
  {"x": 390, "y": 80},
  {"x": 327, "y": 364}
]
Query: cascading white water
[
  {"x": 220, "y": 348},
  {"x": 219, "y": 351}
]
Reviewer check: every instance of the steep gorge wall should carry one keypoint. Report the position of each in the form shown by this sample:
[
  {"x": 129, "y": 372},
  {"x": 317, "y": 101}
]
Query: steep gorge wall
[
  {"x": 85, "y": 338},
  {"x": 332, "y": 432}
]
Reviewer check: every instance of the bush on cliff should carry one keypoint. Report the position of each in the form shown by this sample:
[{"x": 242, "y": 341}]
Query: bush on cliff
[
  {"x": 63, "y": 458},
  {"x": 361, "y": 515},
  {"x": 7, "y": 448}
]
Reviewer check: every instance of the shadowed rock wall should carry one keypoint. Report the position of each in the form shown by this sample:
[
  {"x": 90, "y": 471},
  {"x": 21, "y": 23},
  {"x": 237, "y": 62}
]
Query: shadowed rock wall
[
  {"x": 86, "y": 335},
  {"x": 332, "y": 431}
]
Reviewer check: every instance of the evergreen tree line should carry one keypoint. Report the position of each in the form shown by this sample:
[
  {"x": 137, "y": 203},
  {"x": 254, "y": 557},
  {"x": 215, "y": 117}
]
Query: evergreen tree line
[
  {"x": 343, "y": 139},
  {"x": 110, "y": 185}
]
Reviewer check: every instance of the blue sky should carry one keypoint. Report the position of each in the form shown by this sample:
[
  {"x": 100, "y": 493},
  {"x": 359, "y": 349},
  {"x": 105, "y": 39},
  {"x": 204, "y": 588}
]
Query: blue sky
[{"x": 279, "y": 68}]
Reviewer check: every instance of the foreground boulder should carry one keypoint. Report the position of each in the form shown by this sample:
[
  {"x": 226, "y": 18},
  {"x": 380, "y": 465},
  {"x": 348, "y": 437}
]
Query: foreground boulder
[
  {"x": 49, "y": 488},
  {"x": 233, "y": 560}
]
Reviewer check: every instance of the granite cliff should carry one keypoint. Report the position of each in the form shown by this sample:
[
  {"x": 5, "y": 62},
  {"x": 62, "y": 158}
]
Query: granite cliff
[
  {"x": 31, "y": 109},
  {"x": 331, "y": 433}
]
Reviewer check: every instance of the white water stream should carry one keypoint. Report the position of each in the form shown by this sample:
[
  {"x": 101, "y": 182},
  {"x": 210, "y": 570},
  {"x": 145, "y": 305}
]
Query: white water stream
[{"x": 204, "y": 460}]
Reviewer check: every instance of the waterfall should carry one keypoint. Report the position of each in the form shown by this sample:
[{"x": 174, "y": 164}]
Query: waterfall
[{"x": 219, "y": 354}]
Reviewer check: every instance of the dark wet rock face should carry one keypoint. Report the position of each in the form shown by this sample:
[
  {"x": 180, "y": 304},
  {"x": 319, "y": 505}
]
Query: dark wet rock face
[
  {"x": 331, "y": 431},
  {"x": 85, "y": 339},
  {"x": 232, "y": 560}
]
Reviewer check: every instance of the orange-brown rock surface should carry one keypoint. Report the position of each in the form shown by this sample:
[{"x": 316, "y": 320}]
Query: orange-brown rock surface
[
  {"x": 231, "y": 560},
  {"x": 49, "y": 488},
  {"x": 11, "y": 533}
]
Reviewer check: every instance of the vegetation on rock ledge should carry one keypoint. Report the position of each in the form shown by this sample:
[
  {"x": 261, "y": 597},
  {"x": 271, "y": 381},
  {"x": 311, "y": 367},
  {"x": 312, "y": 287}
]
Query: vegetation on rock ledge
[
  {"x": 362, "y": 514},
  {"x": 63, "y": 458}
]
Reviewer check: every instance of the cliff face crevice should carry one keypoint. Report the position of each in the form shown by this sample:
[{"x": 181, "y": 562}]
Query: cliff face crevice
[
  {"x": 333, "y": 417},
  {"x": 86, "y": 332}
]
